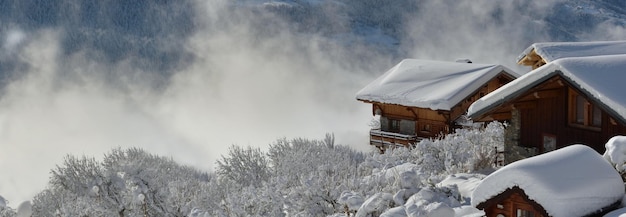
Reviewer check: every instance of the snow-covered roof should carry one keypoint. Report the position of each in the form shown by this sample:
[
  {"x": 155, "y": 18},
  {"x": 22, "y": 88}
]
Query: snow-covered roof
[
  {"x": 430, "y": 84},
  {"x": 617, "y": 213},
  {"x": 571, "y": 181},
  {"x": 601, "y": 78},
  {"x": 551, "y": 51}
]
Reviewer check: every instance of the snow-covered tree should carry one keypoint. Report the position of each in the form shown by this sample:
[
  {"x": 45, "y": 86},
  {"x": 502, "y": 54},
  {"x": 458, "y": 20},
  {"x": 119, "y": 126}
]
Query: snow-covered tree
[
  {"x": 127, "y": 183},
  {"x": 4, "y": 209},
  {"x": 295, "y": 177},
  {"x": 312, "y": 173},
  {"x": 244, "y": 166}
]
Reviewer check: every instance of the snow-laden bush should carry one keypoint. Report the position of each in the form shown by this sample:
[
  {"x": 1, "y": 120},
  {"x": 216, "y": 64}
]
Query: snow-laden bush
[
  {"x": 375, "y": 205},
  {"x": 312, "y": 174},
  {"x": 465, "y": 150},
  {"x": 615, "y": 154},
  {"x": 4, "y": 209},
  {"x": 252, "y": 201},
  {"x": 126, "y": 183},
  {"x": 244, "y": 166},
  {"x": 296, "y": 157},
  {"x": 411, "y": 175},
  {"x": 351, "y": 201},
  {"x": 296, "y": 177},
  {"x": 305, "y": 178}
]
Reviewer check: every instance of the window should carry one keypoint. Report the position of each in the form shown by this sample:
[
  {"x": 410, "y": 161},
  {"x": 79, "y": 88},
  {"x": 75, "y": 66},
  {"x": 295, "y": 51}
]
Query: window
[
  {"x": 582, "y": 112},
  {"x": 394, "y": 125},
  {"x": 525, "y": 213}
]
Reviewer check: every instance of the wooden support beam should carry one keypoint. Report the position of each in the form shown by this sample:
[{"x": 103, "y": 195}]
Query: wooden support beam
[
  {"x": 530, "y": 59},
  {"x": 541, "y": 94},
  {"x": 501, "y": 116},
  {"x": 526, "y": 105}
]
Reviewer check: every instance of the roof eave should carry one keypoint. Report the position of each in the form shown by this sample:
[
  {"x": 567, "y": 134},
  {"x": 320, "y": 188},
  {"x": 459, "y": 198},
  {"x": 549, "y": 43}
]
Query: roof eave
[
  {"x": 480, "y": 113},
  {"x": 500, "y": 70}
]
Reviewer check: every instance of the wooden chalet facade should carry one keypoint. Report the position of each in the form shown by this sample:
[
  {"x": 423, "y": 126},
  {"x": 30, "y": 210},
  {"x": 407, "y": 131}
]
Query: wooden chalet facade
[
  {"x": 561, "y": 103},
  {"x": 512, "y": 202},
  {"x": 554, "y": 114},
  {"x": 574, "y": 181},
  {"x": 427, "y": 99}
]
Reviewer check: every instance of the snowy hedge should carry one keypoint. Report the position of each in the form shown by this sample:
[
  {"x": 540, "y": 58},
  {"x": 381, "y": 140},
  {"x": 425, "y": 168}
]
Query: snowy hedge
[{"x": 296, "y": 177}]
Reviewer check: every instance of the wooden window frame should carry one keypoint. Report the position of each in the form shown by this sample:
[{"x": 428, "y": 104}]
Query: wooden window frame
[
  {"x": 394, "y": 125},
  {"x": 588, "y": 112},
  {"x": 524, "y": 210}
]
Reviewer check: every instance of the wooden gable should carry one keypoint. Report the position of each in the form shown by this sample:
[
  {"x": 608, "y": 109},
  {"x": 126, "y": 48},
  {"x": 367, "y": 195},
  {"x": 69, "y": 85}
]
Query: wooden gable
[
  {"x": 532, "y": 59},
  {"x": 512, "y": 202},
  {"x": 488, "y": 87},
  {"x": 548, "y": 117}
]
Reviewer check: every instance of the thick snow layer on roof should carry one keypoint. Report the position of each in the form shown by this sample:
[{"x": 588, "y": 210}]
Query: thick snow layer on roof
[
  {"x": 572, "y": 181},
  {"x": 551, "y": 51},
  {"x": 601, "y": 78},
  {"x": 465, "y": 182},
  {"x": 430, "y": 84},
  {"x": 617, "y": 213}
]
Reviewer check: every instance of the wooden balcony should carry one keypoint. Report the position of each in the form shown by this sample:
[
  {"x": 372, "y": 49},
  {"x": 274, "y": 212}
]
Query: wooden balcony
[{"x": 383, "y": 140}]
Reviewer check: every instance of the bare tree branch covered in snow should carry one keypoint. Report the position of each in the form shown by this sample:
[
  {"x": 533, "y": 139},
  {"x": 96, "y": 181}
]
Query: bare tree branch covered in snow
[
  {"x": 4, "y": 209},
  {"x": 126, "y": 183},
  {"x": 244, "y": 166}
]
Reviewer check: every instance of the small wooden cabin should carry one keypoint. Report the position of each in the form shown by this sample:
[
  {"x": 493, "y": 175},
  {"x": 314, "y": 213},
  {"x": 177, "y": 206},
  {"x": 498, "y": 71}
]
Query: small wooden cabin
[
  {"x": 573, "y": 181},
  {"x": 512, "y": 202},
  {"x": 539, "y": 54},
  {"x": 423, "y": 98},
  {"x": 576, "y": 100}
]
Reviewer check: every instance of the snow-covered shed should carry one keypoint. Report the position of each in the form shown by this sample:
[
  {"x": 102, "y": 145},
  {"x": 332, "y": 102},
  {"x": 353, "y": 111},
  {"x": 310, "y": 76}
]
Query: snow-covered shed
[
  {"x": 539, "y": 54},
  {"x": 572, "y": 181},
  {"x": 575, "y": 100},
  {"x": 423, "y": 98}
]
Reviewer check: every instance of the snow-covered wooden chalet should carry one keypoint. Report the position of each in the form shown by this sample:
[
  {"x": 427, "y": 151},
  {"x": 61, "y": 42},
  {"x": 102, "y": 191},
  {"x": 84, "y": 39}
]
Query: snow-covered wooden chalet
[
  {"x": 571, "y": 100},
  {"x": 422, "y": 98},
  {"x": 572, "y": 181},
  {"x": 539, "y": 54}
]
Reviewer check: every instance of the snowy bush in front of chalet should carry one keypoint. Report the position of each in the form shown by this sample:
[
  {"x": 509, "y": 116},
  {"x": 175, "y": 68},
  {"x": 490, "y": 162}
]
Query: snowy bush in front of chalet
[
  {"x": 312, "y": 174},
  {"x": 295, "y": 177},
  {"x": 615, "y": 153},
  {"x": 404, "y": 173},
  {"x": 466, "y": 150},
  {"x": 4, "y": 209}
]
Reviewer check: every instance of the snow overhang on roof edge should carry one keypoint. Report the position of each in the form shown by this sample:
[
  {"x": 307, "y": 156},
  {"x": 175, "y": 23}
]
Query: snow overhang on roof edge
[
  {"x": 556, "y": 70},
  {"x": 457, "y": 98},
  {"x": 482, "y": 109}
]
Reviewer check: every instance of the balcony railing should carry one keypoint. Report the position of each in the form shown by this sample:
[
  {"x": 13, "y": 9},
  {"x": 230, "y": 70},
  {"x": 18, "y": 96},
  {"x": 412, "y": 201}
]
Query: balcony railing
[{"x": 382, "y": 139}]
